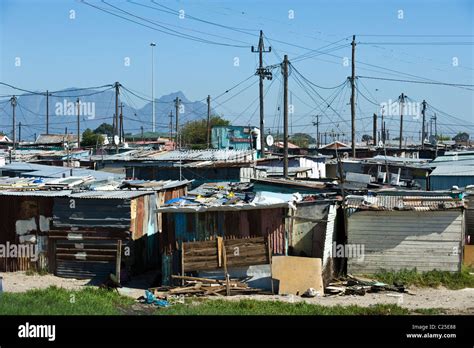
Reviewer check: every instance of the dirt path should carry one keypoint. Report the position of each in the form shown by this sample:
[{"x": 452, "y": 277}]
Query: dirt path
[
  {"x": 20, "y": 282},
  {"x": 451, "y": 301}
]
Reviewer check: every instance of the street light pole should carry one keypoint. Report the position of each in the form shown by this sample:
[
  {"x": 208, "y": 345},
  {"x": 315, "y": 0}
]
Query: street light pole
[{"x": 152, "y": 89}]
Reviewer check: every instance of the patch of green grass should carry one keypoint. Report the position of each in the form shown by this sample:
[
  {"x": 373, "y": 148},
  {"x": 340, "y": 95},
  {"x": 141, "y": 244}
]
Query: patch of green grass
[
  {"x": 256, "y": 307},
  {"x": 32, "y": 272},
  {"x": 432, "y": 279},
  {"x": 429, "y": 311},
  {"x": 58, "y": 301},
  {"x": 93, "y": 301}
]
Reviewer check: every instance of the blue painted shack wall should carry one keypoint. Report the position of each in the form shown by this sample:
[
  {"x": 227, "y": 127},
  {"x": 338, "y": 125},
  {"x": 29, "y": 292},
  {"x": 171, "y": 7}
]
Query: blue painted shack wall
[
  {"x": 222, "y": 137},
  {"x": 440, "y": 182}
]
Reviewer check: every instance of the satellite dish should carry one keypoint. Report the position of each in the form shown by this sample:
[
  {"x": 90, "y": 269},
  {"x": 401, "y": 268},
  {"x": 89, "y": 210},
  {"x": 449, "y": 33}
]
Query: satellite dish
[
  {"x": 380, "y": 143},
  {"x": 269, "y": 140},
  {"x": 116, "y": 139}
]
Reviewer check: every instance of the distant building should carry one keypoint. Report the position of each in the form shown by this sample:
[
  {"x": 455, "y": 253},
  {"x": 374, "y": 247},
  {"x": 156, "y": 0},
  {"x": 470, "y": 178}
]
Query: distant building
[
  {"x": 5, "y": 139},
  {"x": 56, "y": 139},
  {"x": 235, "y": 137}
]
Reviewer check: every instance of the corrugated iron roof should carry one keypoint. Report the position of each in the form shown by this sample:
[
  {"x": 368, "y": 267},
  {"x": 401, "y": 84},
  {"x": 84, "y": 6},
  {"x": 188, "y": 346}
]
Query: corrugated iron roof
[
  {"x": 55, "y": 193},
  {"x": 206, "y": 155},
  {"x": 453, "y": 170},
  {"x": 418, "y": 203},
  {"x": 110, "y": 194}
]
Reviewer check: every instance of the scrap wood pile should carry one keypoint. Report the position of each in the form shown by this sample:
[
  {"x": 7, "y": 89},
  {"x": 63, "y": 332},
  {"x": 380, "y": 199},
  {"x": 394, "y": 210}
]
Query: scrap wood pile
[
  {"x": 194, "y": 286},
  {"x": 361, "y": 286}
]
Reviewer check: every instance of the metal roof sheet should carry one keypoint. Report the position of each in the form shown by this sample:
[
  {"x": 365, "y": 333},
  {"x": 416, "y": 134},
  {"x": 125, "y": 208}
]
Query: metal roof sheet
[
  {"x": 453, "y": 170},
  {"x": 418, "y": 203},
  {"x": 54, "y": 193},
  {"x": 110, "y": 194}
]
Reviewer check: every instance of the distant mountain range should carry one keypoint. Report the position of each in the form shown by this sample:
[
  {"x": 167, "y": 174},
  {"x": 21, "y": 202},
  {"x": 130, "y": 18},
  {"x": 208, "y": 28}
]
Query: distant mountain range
[{"x": 95, "y": 109}]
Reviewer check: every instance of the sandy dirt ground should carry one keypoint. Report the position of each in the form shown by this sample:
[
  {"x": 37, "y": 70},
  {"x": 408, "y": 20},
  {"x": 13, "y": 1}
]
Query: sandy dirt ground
[{"x": 451, "y": 301}]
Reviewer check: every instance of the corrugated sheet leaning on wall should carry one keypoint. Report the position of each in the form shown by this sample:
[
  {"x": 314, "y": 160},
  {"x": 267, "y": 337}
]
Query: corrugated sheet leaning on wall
[{"x": 395, "y": 240}]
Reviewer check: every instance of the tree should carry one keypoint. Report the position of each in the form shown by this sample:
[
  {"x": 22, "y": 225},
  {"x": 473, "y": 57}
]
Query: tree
[
  {"x": 89, "y": 138},
  {"x": 461, "y": 137},
  {"x": 194, "y": 133},
  {"x": 302, "y": 140},
  {"x": 105, "y": 128}
]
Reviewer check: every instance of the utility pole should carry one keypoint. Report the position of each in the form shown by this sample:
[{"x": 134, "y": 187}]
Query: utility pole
[
  {"x": 13, "y": 101},
  {"x": 423, "y": 135},
  {"x": 262, "y": 73},
  {"x": 375, "y": 130},
  {"x": 143, "y": 139},
  {"x": 208, "y": 121},
  {"x": 436, "y": 125},
  {"x": 177, "y": 102},
  {"x": 402, "y": 105},
  {"x": 47, "y": 112},
  {"x": 121, "y": 124},
  {"x": 171, "y": 125},
  {"x": 317, "y": 131},
  {"x": 285, "y": 117},
  {"x": 153, "y": 119},
  {"x": 353, "y": 115},
  {"x": 78, "y": 123},
  {"x": 19, "y": 133},
  {"x": 117, "y": 92}
]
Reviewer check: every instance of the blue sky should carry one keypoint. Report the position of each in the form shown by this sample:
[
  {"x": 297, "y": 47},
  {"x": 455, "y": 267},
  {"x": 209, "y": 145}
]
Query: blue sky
[{"x": 58, "y": 52}]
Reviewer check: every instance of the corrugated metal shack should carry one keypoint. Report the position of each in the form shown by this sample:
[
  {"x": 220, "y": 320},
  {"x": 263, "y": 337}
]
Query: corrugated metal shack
[
  {"x": 444, "y": 177},
  {"x": 77, "y": 232},
  {"x": 291, "y": 225},
  {"x": 408, "y": 231}
]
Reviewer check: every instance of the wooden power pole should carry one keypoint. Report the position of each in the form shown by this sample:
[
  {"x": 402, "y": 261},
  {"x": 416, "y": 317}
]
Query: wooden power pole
[
  {"x": 285, "y": 117},
  {"x": 121, "y": 136},
  {"x": 423, "y": 129},
  {"x": 402, "y": 106},
  {"x": 317, "y": 131},
  {"x": 375, "y": 130},
  {"x": 116, "y": 116},
  {"x": 353, "y": 115},
  {"x": 13, "y": 102},
  {"x": 208, "y": 121},
  {"x": 262, "y": 73},
  {"x": 177, "y": 102},
  {"x": 47, "y": 112}
]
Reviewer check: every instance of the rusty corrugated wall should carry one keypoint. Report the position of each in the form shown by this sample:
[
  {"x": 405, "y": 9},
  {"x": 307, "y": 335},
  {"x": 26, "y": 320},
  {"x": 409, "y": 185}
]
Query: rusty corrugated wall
[
  {"x": 22, "y": 216},
  {"x": 179, "y": 227}
]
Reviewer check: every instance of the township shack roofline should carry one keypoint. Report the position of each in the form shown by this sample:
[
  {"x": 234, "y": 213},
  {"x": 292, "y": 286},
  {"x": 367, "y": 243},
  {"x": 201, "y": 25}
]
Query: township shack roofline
[
  {"x": 115, "y": 194},
  {"x": 263, "y": 200}
]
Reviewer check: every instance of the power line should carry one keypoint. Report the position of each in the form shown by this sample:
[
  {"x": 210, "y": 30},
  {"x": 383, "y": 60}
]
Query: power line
[{"x": 414, "y": 81}]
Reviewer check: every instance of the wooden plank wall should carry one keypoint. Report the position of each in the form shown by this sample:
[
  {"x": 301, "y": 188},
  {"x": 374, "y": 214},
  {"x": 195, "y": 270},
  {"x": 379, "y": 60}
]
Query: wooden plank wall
[
  {"x": 395, "y": 240},
  {"x": 240, "y": 252}
]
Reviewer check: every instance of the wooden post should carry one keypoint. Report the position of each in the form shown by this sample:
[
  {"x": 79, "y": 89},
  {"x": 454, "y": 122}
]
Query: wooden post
[
  {"x": 270, "y": 262},
  {"x": 118, "y": 260},
  {"x": 227, "y": 283},
  {"x": 219, "y": 251},
  {"x": 182, "y": 262}
]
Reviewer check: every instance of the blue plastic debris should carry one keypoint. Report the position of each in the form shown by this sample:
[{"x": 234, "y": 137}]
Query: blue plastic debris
[{"x": 151, "y": 299}]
